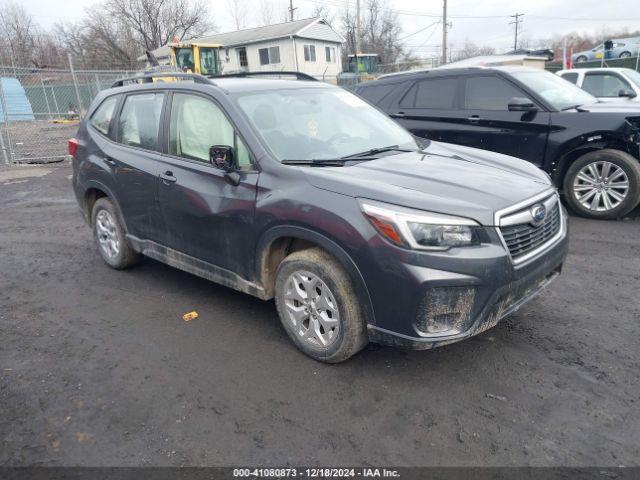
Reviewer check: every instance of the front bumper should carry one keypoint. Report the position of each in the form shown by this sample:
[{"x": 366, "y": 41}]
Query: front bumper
[{"x": 500, "y": 289}]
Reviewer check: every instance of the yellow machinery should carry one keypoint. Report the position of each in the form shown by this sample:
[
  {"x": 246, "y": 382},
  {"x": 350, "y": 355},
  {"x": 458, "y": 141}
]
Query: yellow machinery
[{"x": 193, "y": 57}]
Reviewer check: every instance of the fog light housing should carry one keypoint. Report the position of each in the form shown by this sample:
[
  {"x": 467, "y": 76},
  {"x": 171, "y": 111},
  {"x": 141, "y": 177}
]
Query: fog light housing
[{"x": 445, "y": 310}]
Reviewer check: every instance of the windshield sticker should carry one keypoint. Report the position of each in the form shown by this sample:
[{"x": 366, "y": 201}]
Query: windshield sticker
[
  {"x": 350, "y": 99},
  {"x": 312, "y": 128}
]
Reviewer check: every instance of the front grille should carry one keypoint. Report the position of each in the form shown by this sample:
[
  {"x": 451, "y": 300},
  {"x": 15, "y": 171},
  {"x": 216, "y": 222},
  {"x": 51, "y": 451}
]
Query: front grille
[{"x": 523, "y": 238}]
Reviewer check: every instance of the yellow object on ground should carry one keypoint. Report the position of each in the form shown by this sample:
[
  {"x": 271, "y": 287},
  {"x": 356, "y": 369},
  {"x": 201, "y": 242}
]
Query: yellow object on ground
[{"x": 187, "y": 317}]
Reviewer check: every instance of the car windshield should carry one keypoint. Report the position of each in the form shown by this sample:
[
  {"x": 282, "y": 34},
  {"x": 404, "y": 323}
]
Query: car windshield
[
  {"x": 320, "y": 123},
  {"x": 554, "y": 89},
  {"x": 633, "y": 76}
]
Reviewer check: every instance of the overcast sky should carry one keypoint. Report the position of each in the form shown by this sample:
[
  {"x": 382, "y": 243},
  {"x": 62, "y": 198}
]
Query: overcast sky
[{"x": 484, "y": 22}]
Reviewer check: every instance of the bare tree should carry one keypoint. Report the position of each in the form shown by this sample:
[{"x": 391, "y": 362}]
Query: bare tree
[
  {"x": 470, "y": 50},
  {"x": 380, "y": 31},
  {"x": 238, "y": 12},
  {"x": 266, "y": 12},
  {"x": 18, "y": 31},
  {"x": 323, "y": 12},
  {"x": 158, "y": 22}
]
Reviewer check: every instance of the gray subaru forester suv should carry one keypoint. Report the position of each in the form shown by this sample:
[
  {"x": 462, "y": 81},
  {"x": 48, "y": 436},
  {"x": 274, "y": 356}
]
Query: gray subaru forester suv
[{"x": 303, "y": 192}]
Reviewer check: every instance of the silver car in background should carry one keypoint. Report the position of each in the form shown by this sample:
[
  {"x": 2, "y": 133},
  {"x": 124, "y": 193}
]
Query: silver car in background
[
  {"x": 607, "y": 84},
  {"x": 622, "y": 48}
]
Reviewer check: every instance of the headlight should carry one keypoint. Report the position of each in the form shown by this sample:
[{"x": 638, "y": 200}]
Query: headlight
[{"x": 420, "y": 230}]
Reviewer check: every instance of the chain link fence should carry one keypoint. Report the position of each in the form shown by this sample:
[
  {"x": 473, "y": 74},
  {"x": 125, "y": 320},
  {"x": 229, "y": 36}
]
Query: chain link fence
[{"x": 40, "y": 109}]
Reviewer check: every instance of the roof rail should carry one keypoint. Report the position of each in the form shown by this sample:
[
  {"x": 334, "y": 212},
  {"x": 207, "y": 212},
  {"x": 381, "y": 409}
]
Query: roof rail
[
  {"x": 270, "y": 73},
  {"x": 148, "y": 78}
]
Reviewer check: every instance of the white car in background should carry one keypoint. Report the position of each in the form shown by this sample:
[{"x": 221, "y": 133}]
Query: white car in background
[{"x": 608, "y": 84}]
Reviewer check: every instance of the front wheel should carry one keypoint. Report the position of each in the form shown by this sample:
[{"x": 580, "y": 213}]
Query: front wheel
[
  {"x": 581, "y": 59},
  {"x": 603, "y": 184},
  {"x": 318, "y": 306}
]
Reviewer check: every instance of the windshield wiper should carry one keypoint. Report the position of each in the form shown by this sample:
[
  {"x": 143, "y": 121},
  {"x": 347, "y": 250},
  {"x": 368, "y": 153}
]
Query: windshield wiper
[
  {"x": 376, "y": 151},
  {"x": 316, "y": 162}
]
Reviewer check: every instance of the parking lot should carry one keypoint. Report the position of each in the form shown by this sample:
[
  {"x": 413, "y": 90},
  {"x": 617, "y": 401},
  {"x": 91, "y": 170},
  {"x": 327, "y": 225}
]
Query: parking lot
[{"x": 97, "y": 367}]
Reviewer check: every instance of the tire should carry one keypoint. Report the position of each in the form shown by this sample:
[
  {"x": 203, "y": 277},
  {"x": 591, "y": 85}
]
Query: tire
[
  {"x": 341, "y": 337},
  {"x": 581, "y": 59},
  {"x": 110, "y": 236},
  {"x": 625, "y": 55},
  {"x": 587, "y": 197}
]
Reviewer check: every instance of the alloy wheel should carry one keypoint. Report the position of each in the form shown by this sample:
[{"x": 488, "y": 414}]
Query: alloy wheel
[
  {"x": 601, "y": 186},
  {"x": 107, "y": 233},
  {"x": 311, "y": 309}
]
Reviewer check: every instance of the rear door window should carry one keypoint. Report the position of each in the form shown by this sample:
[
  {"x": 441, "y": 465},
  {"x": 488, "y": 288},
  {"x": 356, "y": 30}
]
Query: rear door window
[
  {"x": 489, "y": 93},
  {"x": 570, "y": 77},
  {"x": 139, "y": 120},
  {"x": 101, "y": 119},
  {"x": 602, "y": 84},
  {"x": 437, "y": 93}
]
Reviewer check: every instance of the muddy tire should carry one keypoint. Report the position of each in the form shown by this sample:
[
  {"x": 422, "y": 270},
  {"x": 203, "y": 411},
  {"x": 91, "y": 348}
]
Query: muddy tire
[
  {"x": 604, "y": 184},
  {"x": 110, "y": 236},
  {"x": 318, "y": 306}
]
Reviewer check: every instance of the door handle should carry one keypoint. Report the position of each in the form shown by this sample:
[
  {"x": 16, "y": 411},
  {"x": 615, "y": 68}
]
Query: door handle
[
  {"x": 398, "y": 115},
  {"x": 474, "y": 118},
  {"x": 168, "y": 177},
  {"x": 110, "y": 161}
]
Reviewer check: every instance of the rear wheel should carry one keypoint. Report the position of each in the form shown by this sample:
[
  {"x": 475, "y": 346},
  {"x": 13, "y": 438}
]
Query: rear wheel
[
  {"x": 110, "y": 236},
  {"x": 625, "y": 55},
  {"x": 318, "y": 306},
  {"x": 603, "y": 184}
]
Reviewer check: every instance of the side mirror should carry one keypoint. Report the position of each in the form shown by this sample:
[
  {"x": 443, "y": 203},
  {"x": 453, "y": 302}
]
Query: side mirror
[
  {"x": 627, "y": 92},
  {"x": 222, "y": 157},
  {"x": 521, "y": 104}
]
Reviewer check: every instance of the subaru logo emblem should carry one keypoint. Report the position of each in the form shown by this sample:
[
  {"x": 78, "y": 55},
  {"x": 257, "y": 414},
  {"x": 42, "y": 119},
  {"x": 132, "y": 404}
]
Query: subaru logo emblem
[{"x": 538, "y": 214}]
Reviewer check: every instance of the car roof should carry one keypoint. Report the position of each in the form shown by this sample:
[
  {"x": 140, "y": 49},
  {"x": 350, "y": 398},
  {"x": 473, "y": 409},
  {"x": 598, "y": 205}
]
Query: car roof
[
  {"x": 258, "y": 84},
  {"x": 229, "y": 85},
  {"x": 595, "y": 69},
  {"x": 441, "y": 72}
]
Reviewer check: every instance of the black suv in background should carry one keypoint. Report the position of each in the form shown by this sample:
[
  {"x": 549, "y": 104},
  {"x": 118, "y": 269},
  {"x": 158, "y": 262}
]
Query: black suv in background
[
  {"x": 590, "y": 149},
  {"x": 302, "y": 192}
]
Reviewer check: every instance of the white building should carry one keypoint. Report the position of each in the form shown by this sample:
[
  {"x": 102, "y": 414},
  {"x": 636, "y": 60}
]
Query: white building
[{"x": 310, "y": 46}]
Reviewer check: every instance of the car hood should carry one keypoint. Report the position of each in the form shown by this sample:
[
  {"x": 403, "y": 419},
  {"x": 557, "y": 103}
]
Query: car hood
[
  {"x": 612, "y": 106},
  {"x": 622, "y": 101},
  {"x": 446, "y": 178}
]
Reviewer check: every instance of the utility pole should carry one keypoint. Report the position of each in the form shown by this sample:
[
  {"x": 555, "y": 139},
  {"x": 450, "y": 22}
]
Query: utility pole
[
  {"x": 357, "y": 27},
  {"x": 516, "y": 22},
  {"x": 444, "y": 32},
  {"x": 355, "y": 57},
  {"x": 291, "y": 10}
]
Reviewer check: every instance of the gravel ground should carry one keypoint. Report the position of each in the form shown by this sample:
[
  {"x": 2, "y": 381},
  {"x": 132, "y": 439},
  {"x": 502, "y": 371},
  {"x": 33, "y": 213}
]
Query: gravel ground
[{"x": 98, "y": 368}]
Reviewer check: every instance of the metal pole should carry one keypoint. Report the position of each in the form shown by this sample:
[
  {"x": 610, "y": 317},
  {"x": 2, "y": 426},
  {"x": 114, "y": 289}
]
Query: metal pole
[
  {"x": 55, "y": 100},
  {"x": 444, "y": 32},
  {"x": 564, "y": 54},
  {"x": 97, "y": 84},
  {"x": 75, "y": 85},
  {"x": 46, "y": 98},
  {"x": 357, "y": 28}
]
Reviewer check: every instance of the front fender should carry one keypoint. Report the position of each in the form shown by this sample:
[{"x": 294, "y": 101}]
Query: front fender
[{"x": 302, "y": 233}]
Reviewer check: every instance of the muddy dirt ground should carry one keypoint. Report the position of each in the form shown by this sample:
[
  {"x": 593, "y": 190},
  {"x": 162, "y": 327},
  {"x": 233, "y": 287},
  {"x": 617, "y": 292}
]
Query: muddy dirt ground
[{"x": 98, "y": 368}]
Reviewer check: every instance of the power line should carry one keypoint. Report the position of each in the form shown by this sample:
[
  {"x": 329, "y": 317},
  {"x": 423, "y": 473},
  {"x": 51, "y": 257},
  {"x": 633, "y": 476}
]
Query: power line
[{"x": 419, "y": 31}]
